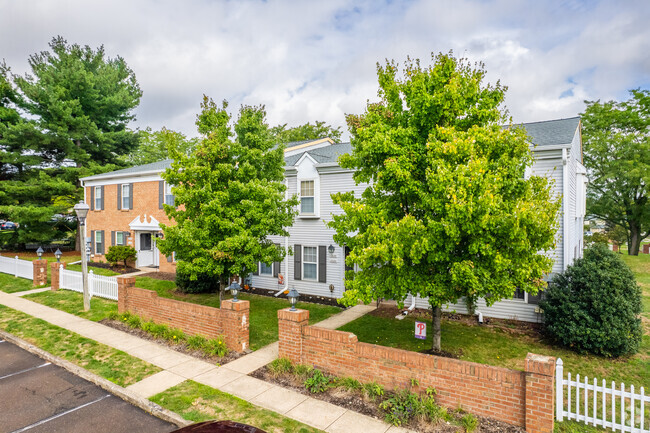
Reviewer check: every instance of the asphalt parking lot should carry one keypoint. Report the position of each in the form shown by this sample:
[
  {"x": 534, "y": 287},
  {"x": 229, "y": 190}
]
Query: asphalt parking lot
[{"x": 36, "y": 396}]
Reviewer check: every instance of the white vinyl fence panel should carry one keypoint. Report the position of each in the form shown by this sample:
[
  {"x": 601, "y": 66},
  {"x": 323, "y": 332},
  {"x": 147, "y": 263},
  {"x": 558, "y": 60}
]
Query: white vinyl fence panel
[
  {"x": 98, "y": 285},
  {"x": 615, "y": 407},
  {"x": 17, "y": 268}
]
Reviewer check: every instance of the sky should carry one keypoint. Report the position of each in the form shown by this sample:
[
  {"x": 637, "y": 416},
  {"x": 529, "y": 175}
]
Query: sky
[{"x": 316, "y": 60}]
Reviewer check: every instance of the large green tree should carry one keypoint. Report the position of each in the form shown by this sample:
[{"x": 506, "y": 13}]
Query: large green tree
[
  {"x": 154, "y": 146},
  {"x": 67, "y": 118},
  {"x": 447, "y": 212},
  {"x": 306, "y": 131},
  {"x": 616, "y": 147},
  {"x": 230, "y": 196}
]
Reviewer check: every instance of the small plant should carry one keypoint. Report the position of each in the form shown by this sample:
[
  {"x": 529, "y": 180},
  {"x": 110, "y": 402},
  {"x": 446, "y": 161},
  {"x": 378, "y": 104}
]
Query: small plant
[
  {"x": 303, "y": 371},
  {"x": 400, "y": 407},
  {"x": 349, "y": 383},
  {"x": 280, "y": 366},
  {"x": 318, "y": 382},
  {"x": 216, "y": 347},
  {"x": 469, "y": 422},
  {"x": 196, "y": 342},
  {"x": 119, "y": 253},
  {"x": 133, "y": 321},
  {"x": 373, "y": 390}
]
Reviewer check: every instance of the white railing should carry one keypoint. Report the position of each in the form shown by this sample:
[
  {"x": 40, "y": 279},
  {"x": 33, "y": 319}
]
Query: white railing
[
  {"x": 617, "y": 408},
  {"x": 17, "y": 267},
  {"x": 98, "y": 285}
]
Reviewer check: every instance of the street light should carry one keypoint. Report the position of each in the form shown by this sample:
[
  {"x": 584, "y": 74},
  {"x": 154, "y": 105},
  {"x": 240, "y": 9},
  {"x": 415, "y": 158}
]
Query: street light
[
  {"x": 234, "y": 289},
  {"x": 81, "y": 209},
  {"x": 39, "y": 252},
  {"x": 293, "y": 298},
  {"x": 58, "y": 255}
]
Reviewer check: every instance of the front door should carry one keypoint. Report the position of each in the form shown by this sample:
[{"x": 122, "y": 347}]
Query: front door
[{"x": 145, "y": 249}]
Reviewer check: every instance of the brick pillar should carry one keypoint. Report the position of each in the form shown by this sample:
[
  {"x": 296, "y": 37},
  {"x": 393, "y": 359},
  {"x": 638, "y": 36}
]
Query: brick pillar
[
  {"x": 646, "y": 249},
  {"x": 124, "y": 283},
  {"x": 54, "y": 268},
  {"x": 40, "y": 272},
  {"x": 291, "y": 324},
  {"x": 235, "y": 319},
  {"x": 615, "y": 248},
  {"x": 540, "y": 378}
]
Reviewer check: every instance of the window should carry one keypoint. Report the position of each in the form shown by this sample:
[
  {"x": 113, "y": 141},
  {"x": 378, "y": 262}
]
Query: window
[
  {"x": 519, "y": 294},
  {"x": 99, "y": 242},
  {"x": 126, "y": 196},
  {"x": 145, "y": 241},
  {"x": 98, "y": 198},
  {"x": 169, "y": 197},
  {"x": 307, "y": 197},
  {"x": 266, "y": 269},
  {"x": 310, "y": 263},
  {"x": 119, "y": 238}
]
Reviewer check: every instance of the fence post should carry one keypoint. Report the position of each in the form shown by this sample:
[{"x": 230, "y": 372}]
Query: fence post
[
  {"x": 559, "y": 389},
  {"x": 540, "y": 372},
  {"x": 16, "y": 267},
  {"x": 39, "y": 272},
  {"x": 91, "y": 283}
]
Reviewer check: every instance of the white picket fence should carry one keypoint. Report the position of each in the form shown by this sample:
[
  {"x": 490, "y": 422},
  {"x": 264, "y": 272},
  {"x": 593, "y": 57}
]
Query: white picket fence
[
  {"x": 98, "y": 285},
  {"x": 614, "y": 407},
  {"x": 17, "y": 267}
]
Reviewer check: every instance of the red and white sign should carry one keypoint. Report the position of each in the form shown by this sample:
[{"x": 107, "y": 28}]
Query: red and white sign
[{"x": 421, "y": 330}]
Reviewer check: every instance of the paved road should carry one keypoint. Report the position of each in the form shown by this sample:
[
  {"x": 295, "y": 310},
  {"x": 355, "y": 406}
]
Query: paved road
[{"x": 36, "y": 396}]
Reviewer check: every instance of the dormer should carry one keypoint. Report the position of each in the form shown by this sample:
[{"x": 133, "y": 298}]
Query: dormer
[{"x": 308, "y": 187}]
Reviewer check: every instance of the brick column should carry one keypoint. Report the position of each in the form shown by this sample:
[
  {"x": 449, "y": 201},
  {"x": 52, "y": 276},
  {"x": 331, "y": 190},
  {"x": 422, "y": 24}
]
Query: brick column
[
  {"x": 40, "y": 272},
  {"x": 235, "y": 319},
  {"x": 646, "y": 249},
  {"x": 540, "y": 378},
  {"x": 54, "y": 268},
  {"x": 291, "y": 324},
  {"x": 124, "y": 283}
]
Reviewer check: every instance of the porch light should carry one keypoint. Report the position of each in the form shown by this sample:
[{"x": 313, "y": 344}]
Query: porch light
[
  {"x": 330, "y": 249},
  {"x": 293, "y": 298},
  {"x": 39, "y": 251},
  {"x": 234, "y": 289},
  {"x": 58, "y": 255},
  {"x": 81, "y": 209}
]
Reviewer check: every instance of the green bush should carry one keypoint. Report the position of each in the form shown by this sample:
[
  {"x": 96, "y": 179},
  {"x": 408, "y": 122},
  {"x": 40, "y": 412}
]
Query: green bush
[
  {"x": 202, "y": 284},
  {"x": 594, "y": 305},
  {"x": 318, "y": 382},
  {"x": 280, "y": 366},
  {"x": 120, "y": 253}
]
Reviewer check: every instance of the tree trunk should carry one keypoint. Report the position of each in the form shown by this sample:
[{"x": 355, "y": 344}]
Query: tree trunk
[
  {"x": 635, "y": 241},
  {"x": 222, "y": 289},
  {"x": 437, "y": 319}
]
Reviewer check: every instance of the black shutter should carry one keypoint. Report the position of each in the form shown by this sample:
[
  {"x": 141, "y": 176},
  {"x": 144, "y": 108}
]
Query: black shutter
[
  {"x": 130, "y": 196},
  {"x": 297, "y": 262},
  {"x": 112, "y": 238},
  {"x": 161, "y": 194},
  {"x": 92, "y": 198},
  {"x": 322, "y": 264},
  {"x": 101, "y": 236},
  {"x": 119, "y": 196},
  {"x": 102, "y": 198},
  {"x": 92, "y": 242},
  {"x": 276, "y": 265}
]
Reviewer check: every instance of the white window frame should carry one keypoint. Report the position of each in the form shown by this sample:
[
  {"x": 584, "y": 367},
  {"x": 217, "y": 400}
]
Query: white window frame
[
  {"x": 117, "y": 239},
  {"x": 98, "y": 198},
  {"x": 266, "y": 274},
  {"x": 167, "y": 191},
  {"x": 305, "y": 262},
  {"x": 126, "y": 187},
  {"x": 313, "y": 196},
  {"x": 98, "y": 235}
]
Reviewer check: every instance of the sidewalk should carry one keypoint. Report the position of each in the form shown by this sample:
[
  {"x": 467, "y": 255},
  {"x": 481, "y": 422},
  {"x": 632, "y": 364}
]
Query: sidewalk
[{"x": 231, "y": 378}]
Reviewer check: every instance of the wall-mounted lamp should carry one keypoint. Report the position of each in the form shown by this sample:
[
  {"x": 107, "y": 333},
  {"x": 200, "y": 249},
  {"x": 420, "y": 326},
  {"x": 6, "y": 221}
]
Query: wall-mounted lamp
[{"x": 330, "y": 249}]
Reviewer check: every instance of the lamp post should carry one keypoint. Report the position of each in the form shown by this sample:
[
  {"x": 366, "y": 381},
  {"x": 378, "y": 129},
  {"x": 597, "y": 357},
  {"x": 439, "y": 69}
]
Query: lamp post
[
  {"x": 81, "y": 209},
  {"x": 58, "y": 255},
  {"x": 293, "y": 298},
  {"x": 39, "y": 252},
  {"x": 234, "y": 289}
]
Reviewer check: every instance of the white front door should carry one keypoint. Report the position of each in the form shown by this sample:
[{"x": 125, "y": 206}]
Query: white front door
[{"x": 144, "y": 245}]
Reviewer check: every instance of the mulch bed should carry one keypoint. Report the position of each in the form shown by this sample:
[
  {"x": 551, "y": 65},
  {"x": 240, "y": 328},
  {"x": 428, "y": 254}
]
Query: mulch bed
[
  {"x": 356, "y": 401},
  {"x": 179, "y": 347},
  {"x": 165, "y": 276},
  {"x": 119, "y": 269}
]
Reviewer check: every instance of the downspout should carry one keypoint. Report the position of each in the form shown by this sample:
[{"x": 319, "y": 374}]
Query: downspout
[
  {"x": 565, "y": 207},
  {"x": 404, "y": 313}
]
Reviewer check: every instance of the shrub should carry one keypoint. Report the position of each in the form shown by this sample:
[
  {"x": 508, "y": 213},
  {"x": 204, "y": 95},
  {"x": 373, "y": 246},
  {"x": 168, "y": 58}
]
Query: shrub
[
  {"x": 119, "y": 253},
  {"x": 202, "y": 284},
  {"x": 469, "y": 422},
  {"x": 594, "y": 305},
  {"x": 318, "y": 382},
  {"x": 280, "y": 366},
  {"x": 373, "y": 390}
]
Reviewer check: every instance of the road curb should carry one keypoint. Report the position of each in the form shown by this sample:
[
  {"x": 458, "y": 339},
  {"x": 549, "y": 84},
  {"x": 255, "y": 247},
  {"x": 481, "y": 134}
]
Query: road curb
[{"x": 126, "y": 395}]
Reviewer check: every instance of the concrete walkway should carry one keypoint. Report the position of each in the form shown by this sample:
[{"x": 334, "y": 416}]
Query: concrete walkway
[{"x": 231, "y": 378}]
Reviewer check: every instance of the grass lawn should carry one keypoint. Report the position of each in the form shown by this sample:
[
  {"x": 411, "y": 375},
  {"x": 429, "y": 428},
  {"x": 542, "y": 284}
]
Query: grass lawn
[
  {"x": 96, "y": 271},
  {"x": 196, "y": 402},
  {"x": 504, "y": 347},
  {"x": 72, "y": 302},
  {"x": 11, "y": 284},
  {"x": 263, "y": 314},
  {"x": 112, "y": 364}
]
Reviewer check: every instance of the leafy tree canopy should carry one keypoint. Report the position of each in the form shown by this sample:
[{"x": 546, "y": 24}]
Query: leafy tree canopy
[
  {"x": 230, "y": 194},
  {"x": 307, "y": 131},
  {"x": 616, "y": 146},
  {"x": 153, "y": 146},
  {"x": 447, "y": 213}
]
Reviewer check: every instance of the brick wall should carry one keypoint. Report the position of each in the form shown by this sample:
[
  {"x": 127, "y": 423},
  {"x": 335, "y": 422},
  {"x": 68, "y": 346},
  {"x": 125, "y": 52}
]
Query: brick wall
[
  {"x": 231, "y": 320},
  {"x": 494, "y": 392},
  {"x": 55, "y": 268},
  {"x": 145, "y": 201},
  {"x": 646, "y": 249}
]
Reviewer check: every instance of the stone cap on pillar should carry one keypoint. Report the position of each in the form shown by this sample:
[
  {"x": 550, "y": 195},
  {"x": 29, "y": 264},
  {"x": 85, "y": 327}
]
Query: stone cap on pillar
[
  {"x": 125, "y": 279},
  {"x": 293, "y": 316},
  {"x": 229, "y": 304},
  {"x": 540, "y": 364}
]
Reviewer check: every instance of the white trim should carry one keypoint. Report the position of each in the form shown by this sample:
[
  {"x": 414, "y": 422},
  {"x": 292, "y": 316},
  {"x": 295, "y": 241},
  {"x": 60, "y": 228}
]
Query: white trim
[
  {"x": 311, "y": 145},
  {"x": 120, "y": 175},
  {"x": 565, "y": 208},
  {"x": 270, "y": 274},
  {"x": 303, "y": 262},
  {"x": 139, "y": 223},
  {"x": 124, "y": 180}
]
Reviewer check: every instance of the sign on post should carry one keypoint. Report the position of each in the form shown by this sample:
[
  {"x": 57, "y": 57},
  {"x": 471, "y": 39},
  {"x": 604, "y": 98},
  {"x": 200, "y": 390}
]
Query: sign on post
[{"x": 421, "y": 330}]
